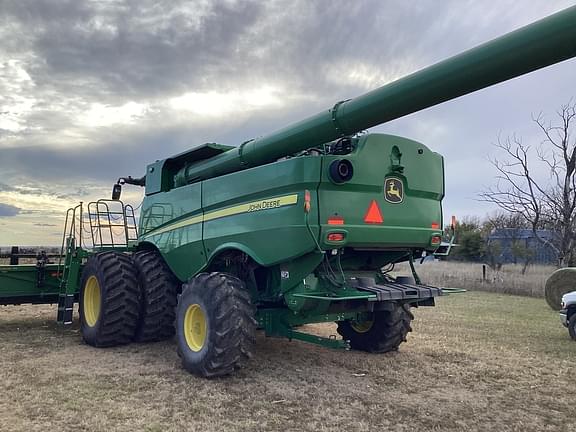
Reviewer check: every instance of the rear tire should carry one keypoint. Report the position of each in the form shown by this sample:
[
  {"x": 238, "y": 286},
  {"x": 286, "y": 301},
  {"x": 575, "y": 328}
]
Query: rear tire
[
  {"x": 109, "y": 300},
  {"x": 215, "y": 325},
  {"x": 383, "y": 332},
  {"x": 158, "y": 291}
]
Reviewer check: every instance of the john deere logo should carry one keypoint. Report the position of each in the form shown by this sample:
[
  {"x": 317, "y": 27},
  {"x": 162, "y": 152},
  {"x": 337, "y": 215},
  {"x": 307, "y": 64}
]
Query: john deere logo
[{"x": 393, "y": 190}]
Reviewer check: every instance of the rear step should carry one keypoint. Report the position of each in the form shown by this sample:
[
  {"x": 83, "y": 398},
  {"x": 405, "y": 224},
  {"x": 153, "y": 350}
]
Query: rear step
[{"x": 394, "y": 290}]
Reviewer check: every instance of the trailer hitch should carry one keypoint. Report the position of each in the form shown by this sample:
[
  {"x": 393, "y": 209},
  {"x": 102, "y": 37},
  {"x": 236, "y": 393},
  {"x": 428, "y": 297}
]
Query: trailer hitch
[{"x": 328, "y": 342}]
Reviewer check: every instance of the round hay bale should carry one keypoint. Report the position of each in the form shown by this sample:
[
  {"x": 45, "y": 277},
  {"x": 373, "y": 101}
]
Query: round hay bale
[{"x": 559, "y": 283}]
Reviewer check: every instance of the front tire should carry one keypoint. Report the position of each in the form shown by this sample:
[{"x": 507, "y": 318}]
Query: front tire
[
  {"x": 215, "y": 325},
  {"x": 158, "y": 290},
  {"x": 380, "y": 332},
  {"x": 109, "y": 300}
]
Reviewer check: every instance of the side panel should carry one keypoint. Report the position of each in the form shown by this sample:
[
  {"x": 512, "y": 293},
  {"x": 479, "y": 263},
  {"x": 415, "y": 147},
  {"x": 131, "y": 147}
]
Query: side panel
[
  {"x": 172, "y": 221},
  {"x": 263, "y": 209}
]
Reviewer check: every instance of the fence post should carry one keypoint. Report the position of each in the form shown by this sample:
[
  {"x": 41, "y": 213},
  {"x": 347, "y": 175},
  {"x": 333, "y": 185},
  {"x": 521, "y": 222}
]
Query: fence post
[
  {"x": 14, "y": 255},
  {"x": 483, "y": 272}
]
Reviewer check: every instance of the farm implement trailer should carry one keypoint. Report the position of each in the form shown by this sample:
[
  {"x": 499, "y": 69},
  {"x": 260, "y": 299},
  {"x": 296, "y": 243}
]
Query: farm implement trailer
[
  {"x": 301, "y": 226},
  {"x": 107, "y": 225}
]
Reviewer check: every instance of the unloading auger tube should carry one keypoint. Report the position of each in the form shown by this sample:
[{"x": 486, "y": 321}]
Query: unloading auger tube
[{"x": 540, "y": 44}]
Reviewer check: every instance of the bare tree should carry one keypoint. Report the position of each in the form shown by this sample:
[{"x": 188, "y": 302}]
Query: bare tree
[
  {"x": 538, "y": 183},
  {"x": 509, "y": 227}
]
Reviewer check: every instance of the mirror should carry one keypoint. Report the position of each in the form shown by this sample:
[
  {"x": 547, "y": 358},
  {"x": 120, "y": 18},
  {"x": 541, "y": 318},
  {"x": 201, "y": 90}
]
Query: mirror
[{"x": 116, "y": 191}]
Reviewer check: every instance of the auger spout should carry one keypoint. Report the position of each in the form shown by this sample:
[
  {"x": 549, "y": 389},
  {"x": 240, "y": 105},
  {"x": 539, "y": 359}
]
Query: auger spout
[{"x": 535, "y": 46}]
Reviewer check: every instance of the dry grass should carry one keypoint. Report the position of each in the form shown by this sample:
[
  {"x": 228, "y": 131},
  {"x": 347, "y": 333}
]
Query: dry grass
[
  {"x": 509, "y": 280},
  {"x": 478, "y": 361}
]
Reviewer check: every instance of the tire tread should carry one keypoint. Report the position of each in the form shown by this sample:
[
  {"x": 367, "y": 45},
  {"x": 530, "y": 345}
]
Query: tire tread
[
  {"x": 388, "y": 332},
  {"x": 233, "y": 322},
  {"x": 120, "y": 302},
  {"x": 158, "y": 290}
]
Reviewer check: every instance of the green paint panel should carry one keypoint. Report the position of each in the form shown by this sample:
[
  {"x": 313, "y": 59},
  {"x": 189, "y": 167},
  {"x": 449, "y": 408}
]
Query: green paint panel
[{"x": 272, "y": 232}]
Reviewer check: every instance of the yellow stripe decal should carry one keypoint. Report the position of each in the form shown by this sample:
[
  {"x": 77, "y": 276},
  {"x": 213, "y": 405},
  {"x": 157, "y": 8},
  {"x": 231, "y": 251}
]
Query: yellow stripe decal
[
  {"x": 265, "y": 204},
  {"x": 251, "y": 207},
  {"x": 189, "y": 221}
]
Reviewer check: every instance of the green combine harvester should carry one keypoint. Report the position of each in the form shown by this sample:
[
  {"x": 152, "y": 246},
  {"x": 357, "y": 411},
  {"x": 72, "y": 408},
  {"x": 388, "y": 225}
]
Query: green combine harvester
[{"x": 300, "y": 226}]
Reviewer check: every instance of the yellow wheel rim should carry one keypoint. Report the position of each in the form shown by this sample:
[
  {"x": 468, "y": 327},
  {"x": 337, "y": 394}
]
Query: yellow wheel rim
[
  {"x": 195, "y": 327},
  {"x": 362, "y": 326},
  {"x": 92, "y": 301}
]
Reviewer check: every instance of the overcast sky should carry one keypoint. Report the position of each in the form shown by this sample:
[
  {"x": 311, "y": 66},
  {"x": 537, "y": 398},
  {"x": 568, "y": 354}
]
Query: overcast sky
[{"x": 94, "y": 90}]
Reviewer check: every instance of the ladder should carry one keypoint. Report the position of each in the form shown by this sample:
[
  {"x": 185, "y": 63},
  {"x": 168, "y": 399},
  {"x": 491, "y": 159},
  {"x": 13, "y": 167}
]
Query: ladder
[
  {"x": 69, "y": 264},
  {"x": 106, "y": 225}
]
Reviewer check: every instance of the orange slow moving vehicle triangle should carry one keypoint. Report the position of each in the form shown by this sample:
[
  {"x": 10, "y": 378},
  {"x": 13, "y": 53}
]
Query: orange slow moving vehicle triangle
[{"x": 373, "y": 215}]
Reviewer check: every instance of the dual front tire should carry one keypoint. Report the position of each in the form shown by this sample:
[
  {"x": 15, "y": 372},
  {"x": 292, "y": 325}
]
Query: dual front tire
[{"x": 125, "y": 299}]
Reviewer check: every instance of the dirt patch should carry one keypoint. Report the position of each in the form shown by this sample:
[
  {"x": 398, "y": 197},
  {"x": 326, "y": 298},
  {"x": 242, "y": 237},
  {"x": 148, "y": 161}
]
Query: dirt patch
[{"x": 478, "y": 361}]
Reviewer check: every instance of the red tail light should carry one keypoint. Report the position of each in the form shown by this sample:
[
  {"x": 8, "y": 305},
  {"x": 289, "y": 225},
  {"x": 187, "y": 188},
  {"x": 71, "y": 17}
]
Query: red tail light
[
  {"x": 335, "y": 220},
  {"x": 335, "y": 237},
  {"x": 436, "y": 240}
]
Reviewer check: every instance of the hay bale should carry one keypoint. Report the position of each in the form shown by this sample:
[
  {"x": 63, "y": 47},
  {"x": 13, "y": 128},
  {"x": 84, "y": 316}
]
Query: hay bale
[{"x": 559, "y": 283}]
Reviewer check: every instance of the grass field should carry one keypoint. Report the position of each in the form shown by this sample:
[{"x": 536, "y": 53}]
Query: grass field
[
  {"x": 508, "y": 280},
  {"x": 477, "y": 361}
]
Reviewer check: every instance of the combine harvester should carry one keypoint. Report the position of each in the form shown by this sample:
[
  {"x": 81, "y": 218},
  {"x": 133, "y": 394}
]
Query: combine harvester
[{"x": 300, "y": 226}]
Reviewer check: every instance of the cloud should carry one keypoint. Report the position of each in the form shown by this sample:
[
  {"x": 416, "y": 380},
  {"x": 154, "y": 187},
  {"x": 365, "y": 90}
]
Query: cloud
[
  {"x": 6, "y": 188},
  {"x": 7, "y": 210},
  {"x": 131, "y": 49}
]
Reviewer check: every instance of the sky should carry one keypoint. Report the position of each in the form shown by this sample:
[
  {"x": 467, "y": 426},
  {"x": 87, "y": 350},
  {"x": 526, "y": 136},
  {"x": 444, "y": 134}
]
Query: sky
[{"x": 94, "y": 90}]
